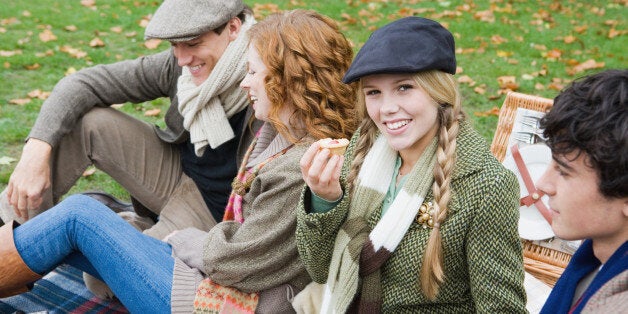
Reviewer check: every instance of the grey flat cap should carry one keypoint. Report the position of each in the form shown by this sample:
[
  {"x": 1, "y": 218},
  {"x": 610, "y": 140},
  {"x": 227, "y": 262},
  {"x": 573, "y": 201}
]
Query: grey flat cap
[{"x": 182, "y": 20}]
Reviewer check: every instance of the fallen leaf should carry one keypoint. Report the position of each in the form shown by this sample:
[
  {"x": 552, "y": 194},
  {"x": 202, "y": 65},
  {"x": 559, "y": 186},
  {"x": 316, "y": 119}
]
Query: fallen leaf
[
  {"x": 116, "y": 29},
  {"x": 130, "y": 34},
  {"x": 116, "y": 106},
  {"x": 6, "y": 160},
  {"x": 556, "y": 86},
  {"x": 485, "y": 16},
  {"x": 69, "y": 71},
  {"x": 152, "y": 112},
  {"x": 21, "y": 101},
  {"x": 587, "y": 65},
  {"x": 7, "y": 65},
  {"x": 73, "y": 52},
  {"x": 88, "y": 3},
  {"x": 508, "y": 83},
  {"x": 71, "y": 28},
  {"x": 9, "y": 21},
  {"x": 479, "y": 90},
  {"x": 611, "y": 23},
  {"x": 569, "y": 39},
  {"x": 47, "y": 53},
  {"x": 152, "y": 43},
  {"x": 504, "y": 80},
  {"x": 39, "y": 94},
  {"x": 3, "y": 30},
  {"x": 89, "y": 172},
  {"x": 47, "y": 36},
  {"x": 580, "y": 29},
  {"x": 539, "y": 47},
  {"x": 96, "y": 42},
  {"x": 465, "y": 79},
  {"x": 527, "y": 77},
  {"x": 26, "y": 13},
  {"x": 5, "y": 53},
  {"x": 504, "y": 54},
  {"x": 497, "y": 40},
  {"x": 491, "y": 112},
  {"x": 612, "y": 33},
  {"x": 32, "y": 67},
  {"x": 539, "y": 86},
  {"x": 144, "y": 21},
  {"x": 553, "y": 54},
  {"x": 348, "y": 19}
]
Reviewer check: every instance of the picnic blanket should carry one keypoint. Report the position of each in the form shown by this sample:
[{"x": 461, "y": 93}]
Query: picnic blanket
[{"x": 61, "y": 291}]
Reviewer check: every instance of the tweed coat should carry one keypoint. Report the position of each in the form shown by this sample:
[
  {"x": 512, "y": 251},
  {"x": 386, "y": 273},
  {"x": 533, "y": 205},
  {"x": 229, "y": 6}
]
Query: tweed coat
[{"x": 483, "y": 259}]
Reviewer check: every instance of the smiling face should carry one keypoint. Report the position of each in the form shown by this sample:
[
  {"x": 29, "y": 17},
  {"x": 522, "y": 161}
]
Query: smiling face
[
  {"x": 402, "y": 111},
  {"x": 201, "y": 54},
  {"x": 579, "y": 210},
  {"x": 254, "y": 83}
]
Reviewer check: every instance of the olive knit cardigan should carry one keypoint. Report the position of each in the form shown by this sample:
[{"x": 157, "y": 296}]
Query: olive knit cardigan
[{"x": 483, "y": 260}]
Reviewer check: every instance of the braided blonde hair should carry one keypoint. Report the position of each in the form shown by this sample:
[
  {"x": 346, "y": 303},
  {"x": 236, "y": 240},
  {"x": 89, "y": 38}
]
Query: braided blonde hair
[{"x": 443, "y": 89}]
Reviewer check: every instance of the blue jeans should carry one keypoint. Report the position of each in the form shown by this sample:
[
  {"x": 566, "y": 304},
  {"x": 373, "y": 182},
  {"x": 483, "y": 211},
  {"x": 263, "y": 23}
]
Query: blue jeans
[{"x": 82, "y": 232}]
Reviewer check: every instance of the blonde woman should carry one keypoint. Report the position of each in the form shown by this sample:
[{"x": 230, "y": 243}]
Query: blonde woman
[{"x": 420, "y": 217}]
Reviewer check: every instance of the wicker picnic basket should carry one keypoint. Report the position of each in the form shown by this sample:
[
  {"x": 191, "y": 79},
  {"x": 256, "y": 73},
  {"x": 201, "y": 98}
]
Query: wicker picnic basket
[{"x": 546, "y": 264}]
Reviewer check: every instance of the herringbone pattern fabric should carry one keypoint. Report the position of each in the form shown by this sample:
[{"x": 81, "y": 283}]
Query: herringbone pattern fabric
[{"x": 482, "y": 253}]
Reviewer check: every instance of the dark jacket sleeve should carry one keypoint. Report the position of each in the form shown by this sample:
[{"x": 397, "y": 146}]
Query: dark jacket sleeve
[{"x": 143, "y": 79}]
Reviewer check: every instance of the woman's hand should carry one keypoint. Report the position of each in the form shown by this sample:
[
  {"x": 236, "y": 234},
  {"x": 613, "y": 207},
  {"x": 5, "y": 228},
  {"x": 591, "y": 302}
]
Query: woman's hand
[{"x": 321, "y": 172}]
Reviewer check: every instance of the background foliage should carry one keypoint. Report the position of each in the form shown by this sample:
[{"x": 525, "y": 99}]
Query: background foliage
[{"x": 534, "y": 47}]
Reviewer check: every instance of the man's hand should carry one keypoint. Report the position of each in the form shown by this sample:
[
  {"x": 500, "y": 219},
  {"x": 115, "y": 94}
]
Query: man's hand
[{"x": 31, "y": 178}]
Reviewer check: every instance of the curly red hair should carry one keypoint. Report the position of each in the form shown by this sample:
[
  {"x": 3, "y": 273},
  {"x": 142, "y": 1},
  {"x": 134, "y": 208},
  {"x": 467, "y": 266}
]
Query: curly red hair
[{"x": 306, "y": 56}]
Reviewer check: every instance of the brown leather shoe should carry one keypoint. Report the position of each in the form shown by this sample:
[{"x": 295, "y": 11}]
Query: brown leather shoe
[{"x": 110, "y": 201}]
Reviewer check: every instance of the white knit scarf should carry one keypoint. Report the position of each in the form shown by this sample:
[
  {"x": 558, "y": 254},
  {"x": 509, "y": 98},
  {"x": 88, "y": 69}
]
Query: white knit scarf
[
  {"x": 374, "y": 179},
  {"x": 206, "y": 108}
]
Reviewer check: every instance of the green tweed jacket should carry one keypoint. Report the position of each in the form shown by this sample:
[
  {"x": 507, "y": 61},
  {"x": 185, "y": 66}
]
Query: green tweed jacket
[{"x": 483, "y": 258}]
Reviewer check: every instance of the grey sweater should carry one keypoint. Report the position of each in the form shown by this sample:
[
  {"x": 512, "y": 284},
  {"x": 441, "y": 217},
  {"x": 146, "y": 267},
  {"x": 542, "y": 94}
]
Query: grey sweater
[
  {"x": 256, "y": 255},
  {"x": 143, "y": 79}
]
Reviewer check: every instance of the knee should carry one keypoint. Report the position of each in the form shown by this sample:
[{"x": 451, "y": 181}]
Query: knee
[
  {"x": 98, "y": 119},
  {"x": 82, "y": 206}
]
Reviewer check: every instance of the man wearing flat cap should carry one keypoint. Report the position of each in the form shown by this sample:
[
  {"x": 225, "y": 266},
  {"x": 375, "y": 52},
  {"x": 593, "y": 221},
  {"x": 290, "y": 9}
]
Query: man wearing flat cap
[{"x": 181, "y": 173}]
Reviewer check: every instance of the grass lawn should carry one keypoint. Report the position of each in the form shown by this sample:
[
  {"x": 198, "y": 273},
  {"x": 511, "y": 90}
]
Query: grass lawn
[{"x": 534, "y": 47}]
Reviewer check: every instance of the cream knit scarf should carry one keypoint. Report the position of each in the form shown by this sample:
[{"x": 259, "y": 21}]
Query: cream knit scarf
[
  {"x": 206, "y": 108},
  {"x": 359, "y": 252}
]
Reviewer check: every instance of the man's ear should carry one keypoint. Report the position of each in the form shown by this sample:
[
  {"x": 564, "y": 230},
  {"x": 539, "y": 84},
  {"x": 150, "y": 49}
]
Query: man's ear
[
  {"x": 234, "y": 27},
  {"x": 625, "y": 208}
]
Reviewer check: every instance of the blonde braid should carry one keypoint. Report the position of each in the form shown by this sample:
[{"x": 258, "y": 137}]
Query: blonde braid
[
  {"x": 368, "y": 131},
  {"x": 443, "y": 89},
  {"x": 432, "y": 274}
]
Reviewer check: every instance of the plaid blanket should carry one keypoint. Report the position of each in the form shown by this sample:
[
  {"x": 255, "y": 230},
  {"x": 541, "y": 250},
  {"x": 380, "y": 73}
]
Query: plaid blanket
[{"x": 61, "y": 291}]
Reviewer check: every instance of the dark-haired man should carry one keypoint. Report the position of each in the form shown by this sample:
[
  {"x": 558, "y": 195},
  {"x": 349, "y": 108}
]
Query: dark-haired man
[{"x": 587, "y": 185}]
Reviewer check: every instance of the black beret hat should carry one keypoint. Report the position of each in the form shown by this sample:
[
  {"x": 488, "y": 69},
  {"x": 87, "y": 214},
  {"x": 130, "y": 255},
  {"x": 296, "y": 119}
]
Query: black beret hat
[
  {"x": 409, "y": 45},
  {"x": 183, "y": 20}
]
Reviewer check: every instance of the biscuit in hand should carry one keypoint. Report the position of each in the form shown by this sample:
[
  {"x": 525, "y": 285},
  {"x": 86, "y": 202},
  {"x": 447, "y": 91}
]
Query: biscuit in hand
[{"x": 335, "y": 146}]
